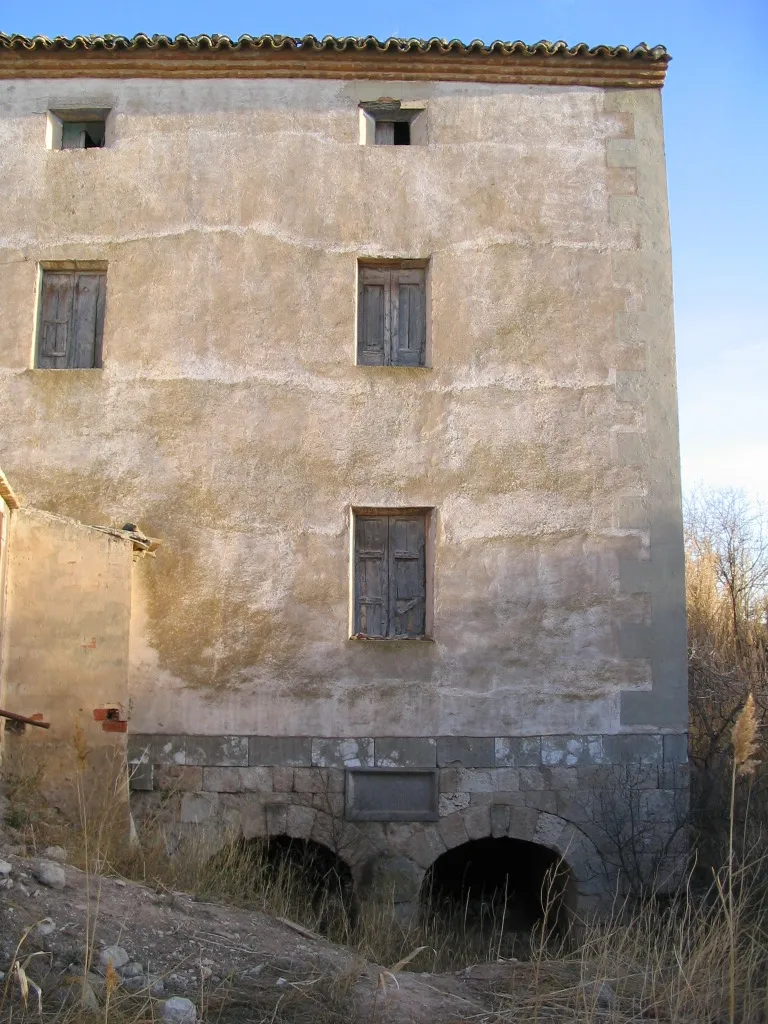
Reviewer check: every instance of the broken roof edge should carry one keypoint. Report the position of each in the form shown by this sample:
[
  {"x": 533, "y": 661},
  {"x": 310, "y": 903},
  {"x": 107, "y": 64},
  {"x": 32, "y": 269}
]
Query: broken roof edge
[
  {"x": 7, "y": 493},
  {"x": 346, "y": 57},
  {"x": 139, "y": 540}
]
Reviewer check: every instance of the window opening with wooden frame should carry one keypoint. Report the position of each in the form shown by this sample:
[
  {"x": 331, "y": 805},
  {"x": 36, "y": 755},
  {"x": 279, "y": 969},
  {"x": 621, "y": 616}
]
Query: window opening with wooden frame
[
  {"x": 71, "y": 319},
  {"x": 390, "y": 575},
  {"x": 392, "y": 315}
]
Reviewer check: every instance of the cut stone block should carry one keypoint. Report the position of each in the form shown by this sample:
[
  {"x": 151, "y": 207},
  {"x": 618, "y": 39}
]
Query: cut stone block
[
  {"x": 449, "y": 803},
  {"x": 507, "y": 779},
  {"x": 466, "y": 751},
  {"x": 156, "y": 748},
  {"x": 138, "y": 748},
  {"x": 474, "y": 780},
  {"x": 477, "y": 821},
  {"x": 407, "y": 752},
  {"x": 518, "y": 751},
  {"x": 183, "y": 778},
  {"x": 282, "y": 778},
  {"x": 633, "y": 748},
  {"x": 499, "y": 819},
  {"x": 570, "y": 751},
  {"x": 542, "y": 800},
  {"x": 217, "y": 751},
  {"x": 198, "y": 807},
  {"x": 563, "y": 778},
  {"x": 449, "y": 780},
  {"x": 342, "y": 753},
  {"x": 299, "y": 821},
  {"x": 640, "y": 776},
  {"x": 256, "y": 779},
  {"x": 481, "y": 798},
  {"x": 318, "y": 780},
  {"x": 512, "y": 798},
  {"x": 676, "y": 748},
  {"x": 661, "y": 805},
  {"x": 453, "y": 831},
  {"x": 141, "y": 775},
  {"x": 674, "y": 776},
  {"x": 292, "y": 751},
  {"x": 532, "y": 778},
  {"x": 222, "y": 780},
  {"x": 395, "y": 879},
  {"x": 277, "y": 817},
  {"x": 426, "y": 846}
]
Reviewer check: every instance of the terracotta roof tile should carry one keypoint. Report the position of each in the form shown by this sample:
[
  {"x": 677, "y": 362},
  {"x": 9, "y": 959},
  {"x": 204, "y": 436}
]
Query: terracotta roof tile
[{"x": 339, "y": 44}]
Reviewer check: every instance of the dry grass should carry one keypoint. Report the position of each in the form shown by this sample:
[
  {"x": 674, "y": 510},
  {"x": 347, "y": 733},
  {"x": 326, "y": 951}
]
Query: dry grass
[
  {"x": 670, "y": 965},
  {"x": 703, "y": 960}
]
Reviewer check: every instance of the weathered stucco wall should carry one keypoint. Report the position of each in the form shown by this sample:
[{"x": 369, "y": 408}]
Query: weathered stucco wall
[
  {"x": 65, "y": 644},
  {"x": 230, "y": 418}
]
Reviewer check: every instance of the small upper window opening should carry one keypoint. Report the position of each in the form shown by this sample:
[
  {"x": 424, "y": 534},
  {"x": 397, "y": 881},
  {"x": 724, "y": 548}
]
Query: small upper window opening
[
  {"x": 82, "y": 135},
  {"x": 77, "y": 129},
  {"x": 391, "y": 123}
]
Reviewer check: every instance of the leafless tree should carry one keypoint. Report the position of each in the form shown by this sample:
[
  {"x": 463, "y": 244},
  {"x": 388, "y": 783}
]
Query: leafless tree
[{"x": 726, "y": 540}]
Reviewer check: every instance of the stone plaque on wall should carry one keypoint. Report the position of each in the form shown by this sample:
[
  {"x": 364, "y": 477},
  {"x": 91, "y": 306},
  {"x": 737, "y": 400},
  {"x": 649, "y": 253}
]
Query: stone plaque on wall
[{"x": 391, "y": 794}]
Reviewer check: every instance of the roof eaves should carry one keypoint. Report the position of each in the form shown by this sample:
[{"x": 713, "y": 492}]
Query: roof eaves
[
  {"x": 346, "y": 58},
  {"x": 543, "y": 48}
]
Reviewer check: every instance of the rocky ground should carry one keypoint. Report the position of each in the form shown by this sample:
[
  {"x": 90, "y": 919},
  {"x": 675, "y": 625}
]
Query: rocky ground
[{"x": 162, "y": 955}]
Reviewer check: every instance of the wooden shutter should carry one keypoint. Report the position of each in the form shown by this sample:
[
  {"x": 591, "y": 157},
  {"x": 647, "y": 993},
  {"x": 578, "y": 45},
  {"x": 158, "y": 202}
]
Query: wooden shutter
[
  {"x": 71, "y": 319},
  {"x": 54, "y": 332},
  {"x": 88, "y": 319},
  {"x": 407, "y": 577},
  {"x": 409, "y": 322},
  {"x": 385, "y": 133},
  {"x": 374, "y": 302},
  {"x": 371, "y": 588}
]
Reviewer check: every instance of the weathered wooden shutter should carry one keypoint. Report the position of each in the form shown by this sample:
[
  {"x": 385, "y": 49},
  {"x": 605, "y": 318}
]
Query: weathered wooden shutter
[
  {"x": 409, "y": 322},
  {"x": 371, "y": 588},
  {"x": 407, "y": 577},
  {"x": 385, "y": 133},
  {"x": 88, "y": 319},
  {"x": 71, "y": 319},
  {"x": 54, "y": 331},
  {"x": 373, "y": 334}
]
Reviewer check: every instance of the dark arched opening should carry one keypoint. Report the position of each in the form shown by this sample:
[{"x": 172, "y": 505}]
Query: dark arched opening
[
  {"x": 295, "y": 878},
  {"x": 503, "y": 889}
]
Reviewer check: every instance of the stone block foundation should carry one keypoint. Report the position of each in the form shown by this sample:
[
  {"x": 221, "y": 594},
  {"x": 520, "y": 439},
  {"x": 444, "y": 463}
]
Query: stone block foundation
[{"x": 565, "y": 792}]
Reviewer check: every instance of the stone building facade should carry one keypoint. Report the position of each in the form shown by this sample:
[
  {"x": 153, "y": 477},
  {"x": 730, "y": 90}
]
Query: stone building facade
[{"x": 377, "y": 338}]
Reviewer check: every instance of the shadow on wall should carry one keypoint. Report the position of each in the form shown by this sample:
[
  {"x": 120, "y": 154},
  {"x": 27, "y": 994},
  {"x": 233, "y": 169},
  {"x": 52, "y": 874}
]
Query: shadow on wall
[{"x": 498, "y": 886}]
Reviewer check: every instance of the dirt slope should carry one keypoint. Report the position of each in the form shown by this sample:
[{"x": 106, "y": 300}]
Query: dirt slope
[{"x": 235, "y": 965}]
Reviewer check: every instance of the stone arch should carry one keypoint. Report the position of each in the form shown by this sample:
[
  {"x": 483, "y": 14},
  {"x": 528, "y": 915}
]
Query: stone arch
[
  {"x": 519, "y": 882},
  {"x": 298, "y": 821},
  {"x": 584, "y": 892}
]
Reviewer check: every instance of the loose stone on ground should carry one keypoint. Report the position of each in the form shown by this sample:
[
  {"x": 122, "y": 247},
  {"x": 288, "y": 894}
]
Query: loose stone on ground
[
  {"x": 178, "y": 1010},
  {"x": 114, "y": 955},
  {"x": 49, "y": 873}
]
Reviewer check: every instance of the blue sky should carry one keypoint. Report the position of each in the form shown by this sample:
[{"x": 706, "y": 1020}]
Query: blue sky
[{"x": 716, "y": 116}]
